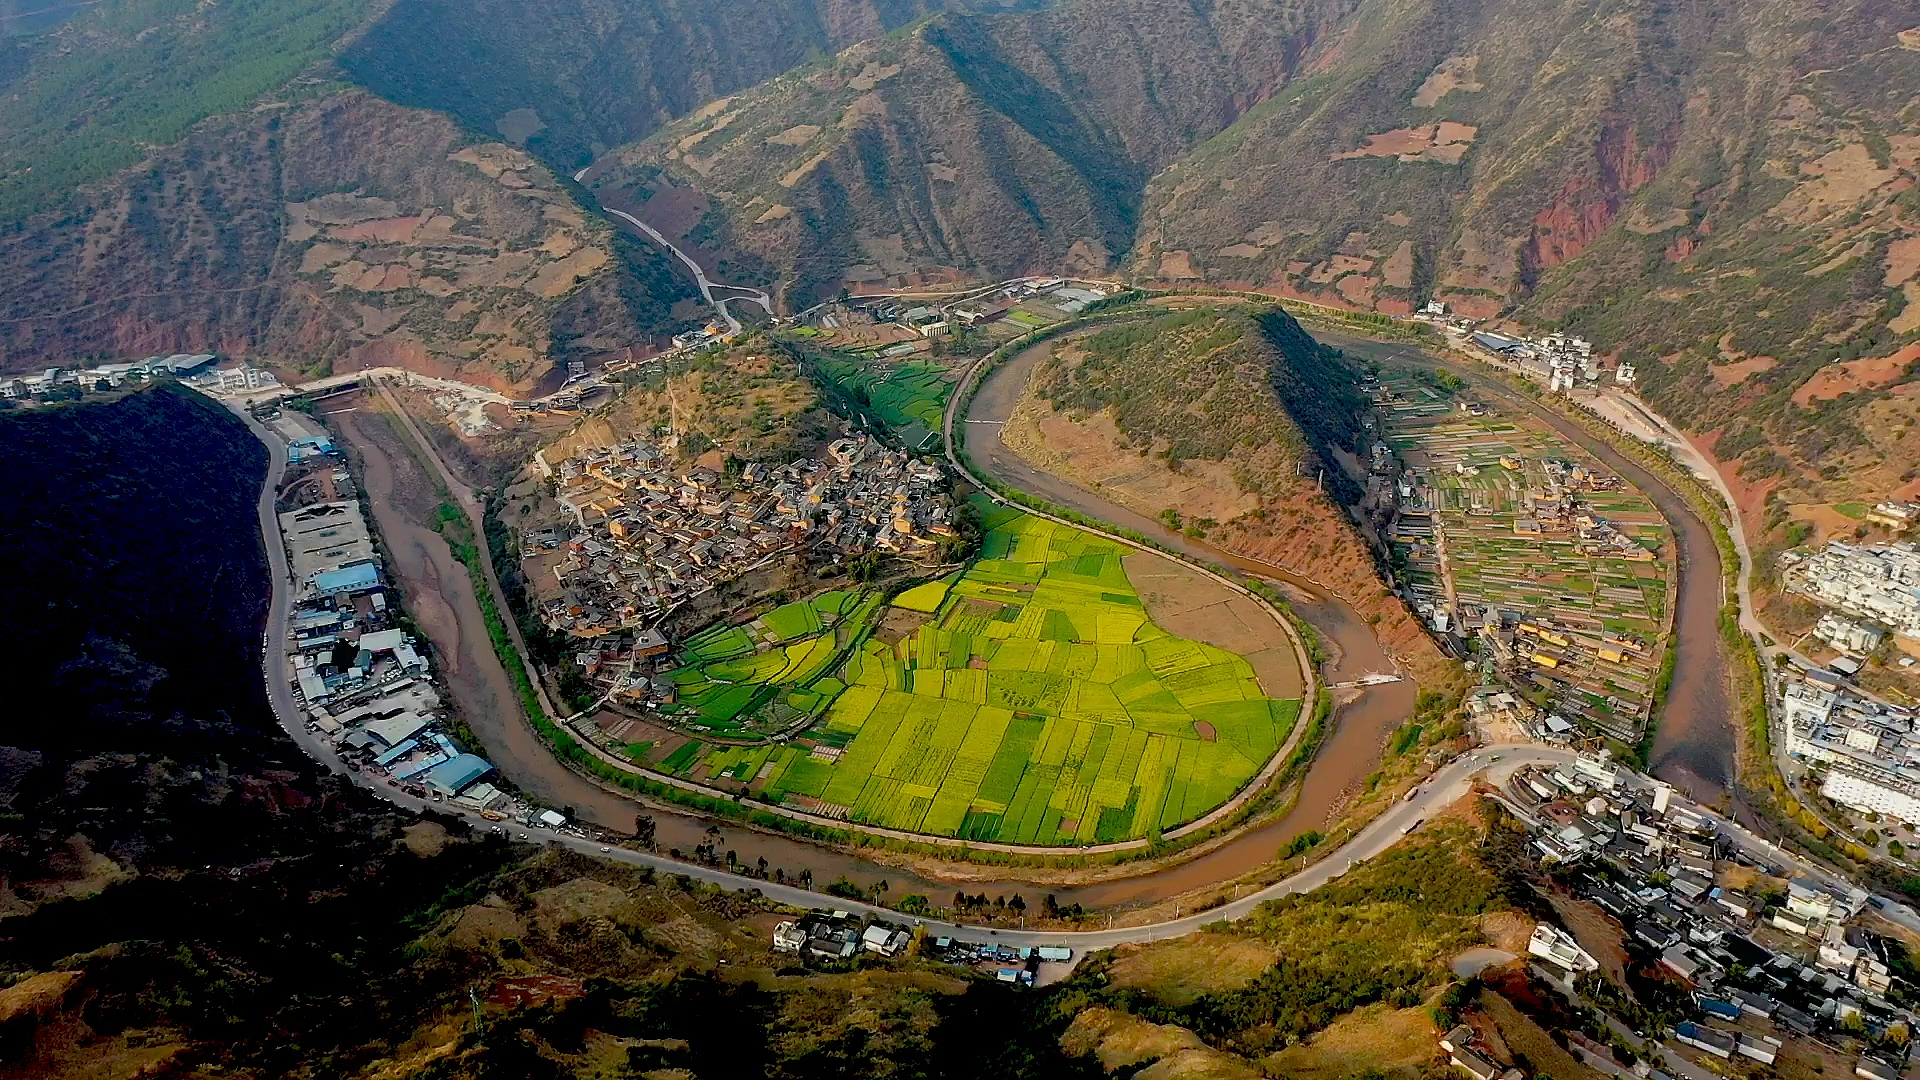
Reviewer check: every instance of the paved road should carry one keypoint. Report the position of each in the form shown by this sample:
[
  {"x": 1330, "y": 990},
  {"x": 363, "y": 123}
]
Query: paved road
[
  {"x": 700, "y": 278},
  {"x": 1494, "y": 765},
  {"x": 1452, "y": 782}
]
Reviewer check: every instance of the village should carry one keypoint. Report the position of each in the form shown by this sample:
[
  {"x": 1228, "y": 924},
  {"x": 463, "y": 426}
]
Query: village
[
  {"x": 1522, "y": 555},
  {"x": 646, "y": 537},
  {"x": 1752, "y": 953}
]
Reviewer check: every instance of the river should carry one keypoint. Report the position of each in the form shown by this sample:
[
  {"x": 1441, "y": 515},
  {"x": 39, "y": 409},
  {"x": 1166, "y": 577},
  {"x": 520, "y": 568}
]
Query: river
[
  {"x": 1361, "y": 722},
  {"x": 1692, "y": 750},
  {"x": 1693, "y": 745}
]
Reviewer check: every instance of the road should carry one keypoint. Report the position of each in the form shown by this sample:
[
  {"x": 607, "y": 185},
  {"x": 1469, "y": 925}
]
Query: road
[
  {"x": 719, "y": 304},
  {"x": 1494, "y": 765},
  {"x": 470, "y": 505}
]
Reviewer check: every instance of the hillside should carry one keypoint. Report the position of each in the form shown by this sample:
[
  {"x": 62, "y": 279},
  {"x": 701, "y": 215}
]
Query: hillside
[
  {"x": 1722, "y": 196},
  {"x": 572, "y": 79},
  {"x": 983, "y": 145},
  {"x": 1221, "y": 421},
  {"x": 750, "y": 401},
  {"x": 333, "y": 232}
]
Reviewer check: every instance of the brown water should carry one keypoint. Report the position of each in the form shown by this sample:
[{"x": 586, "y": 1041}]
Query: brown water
[
  {"x": 1693, "y": 745},
  {"x": 479, "y": 686},
  {"x": 1360, "y": 726}
]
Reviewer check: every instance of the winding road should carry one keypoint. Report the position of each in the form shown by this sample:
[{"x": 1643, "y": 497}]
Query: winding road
[
  {"x": 1452, "y": 782},
  {"x": 1489, "y": 765},
  {"x": 718, "y": 303}
]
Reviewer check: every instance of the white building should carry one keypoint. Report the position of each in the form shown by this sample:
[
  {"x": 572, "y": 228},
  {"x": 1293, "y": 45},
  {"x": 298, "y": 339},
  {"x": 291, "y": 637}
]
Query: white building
[
  {"x": 1549, "y": 943},
  {"x": 1879, "y": 582},
  {"x": 1860, "y": 789},
  {"x": 1848, "y": 636}
]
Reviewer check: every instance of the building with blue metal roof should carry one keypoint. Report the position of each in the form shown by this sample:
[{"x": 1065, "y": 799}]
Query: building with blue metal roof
[
  {"x": 359, "y": 577},
  {"x": 454, "y": 776}
]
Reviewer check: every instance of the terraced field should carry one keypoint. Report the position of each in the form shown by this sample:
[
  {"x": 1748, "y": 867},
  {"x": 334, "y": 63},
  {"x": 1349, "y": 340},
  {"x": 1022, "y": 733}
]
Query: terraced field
[
  {"x": 907, "y": 396},
  {"x": 1032, "y": 701},
  {"x": 743, "y": 680},
  {"x": 1502, "y": 515}
]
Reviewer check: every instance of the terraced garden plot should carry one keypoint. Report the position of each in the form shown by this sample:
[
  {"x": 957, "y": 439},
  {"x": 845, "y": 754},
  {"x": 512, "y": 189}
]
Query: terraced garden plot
[
  {"x": 1511, "y": 508},
  {"x": 909, "y": 397},
  {"x": 736, "y": 679},
  {"x": 1038, "y": 705}
]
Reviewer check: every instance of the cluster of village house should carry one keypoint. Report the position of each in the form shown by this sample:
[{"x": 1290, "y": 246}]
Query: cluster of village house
[
  {"x": 361, "y": 678},
  {"x": 1879, "y": 583},
  {"x": 1560, "y": 361},
  {"x": 1759, "y": 970},
  {"x": 892, "y": 328},
  {"x": 839, "y": 935},
  {"x": 647, "y": 536},
  {"x": 196, "y": 368}
]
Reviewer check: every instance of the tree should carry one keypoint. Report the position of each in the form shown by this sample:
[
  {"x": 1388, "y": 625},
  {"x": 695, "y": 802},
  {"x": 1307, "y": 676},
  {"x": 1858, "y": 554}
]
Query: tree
[
  {"x": 1018, "y": 904},
  {"x": 864, "y": 567},
  {"x": 644, "y": 830},
  {"x": 763, "y": 866},
  {"x": 959, "y": 901}
]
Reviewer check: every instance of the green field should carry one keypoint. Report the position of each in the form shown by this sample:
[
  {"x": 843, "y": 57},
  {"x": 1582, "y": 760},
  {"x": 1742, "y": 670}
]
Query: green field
[
  {"x": 734, "y": 679},
  {"x": 908, "y": 397},
  {"x": 1037, "y": 705}
]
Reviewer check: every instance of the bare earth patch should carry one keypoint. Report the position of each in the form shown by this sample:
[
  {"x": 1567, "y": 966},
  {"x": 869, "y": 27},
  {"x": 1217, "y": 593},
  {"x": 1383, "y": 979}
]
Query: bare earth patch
[
  {"x": 1182, "y": 970},
  {"x": 1596, "y": 933},
  {"x": 1397, "y": 271},
  {"x": 1377, "y": 1039},
  {"x": 397, "y": 230},
  {"x": 1445, "y": 142},
  {"x": 797, "y": 135},
  {"x": 1177, "y": 264},
  {"x": 1741, "y": 370},
  {"x": 1837, "y": 379},
  {"x": 1828, "y": 523},
  {"x": 425, "y": 838},
  {"x": 1454, "y": 73},
  {"x": 1182, "y": 601},
  {"x": 1118, "y": 1040}
]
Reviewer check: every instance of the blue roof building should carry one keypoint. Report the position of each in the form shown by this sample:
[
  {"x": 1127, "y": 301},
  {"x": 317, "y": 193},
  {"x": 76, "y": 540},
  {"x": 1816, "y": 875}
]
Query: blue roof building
[
  {"x": 300, "y": 449},
  {"x": 454, "y": 776},
  {"x": 359, "y": 577}
]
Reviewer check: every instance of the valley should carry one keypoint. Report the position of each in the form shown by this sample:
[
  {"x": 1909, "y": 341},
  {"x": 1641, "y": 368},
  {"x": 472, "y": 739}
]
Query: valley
[{"x": 1337, "y": 539}]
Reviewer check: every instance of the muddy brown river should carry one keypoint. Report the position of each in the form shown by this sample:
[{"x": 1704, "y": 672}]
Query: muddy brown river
[
  {"x": 1693, "y": 745},
  {"x": 1361, "y": 723}
]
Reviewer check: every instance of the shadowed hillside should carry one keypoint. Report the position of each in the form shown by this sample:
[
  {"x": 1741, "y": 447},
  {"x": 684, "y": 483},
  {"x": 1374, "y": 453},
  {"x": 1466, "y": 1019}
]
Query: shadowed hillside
[
  {"x": 1234, "y": 426},
  {"x": 976, "y": 144}
]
